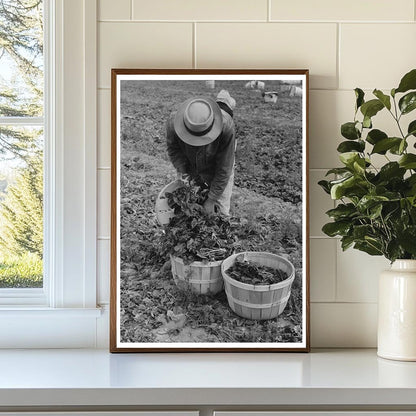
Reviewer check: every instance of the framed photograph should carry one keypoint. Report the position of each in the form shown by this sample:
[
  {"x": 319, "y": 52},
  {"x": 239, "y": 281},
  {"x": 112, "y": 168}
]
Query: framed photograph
[{"x": 209, "y": 211}]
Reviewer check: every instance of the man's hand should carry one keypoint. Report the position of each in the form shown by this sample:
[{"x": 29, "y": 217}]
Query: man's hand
[
  {"x": 209, "y": 206},
  {"x": 182, "y": 176}
]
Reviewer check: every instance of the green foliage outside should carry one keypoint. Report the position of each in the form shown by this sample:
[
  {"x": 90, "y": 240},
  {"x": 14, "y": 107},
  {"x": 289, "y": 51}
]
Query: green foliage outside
[
  {"x": 377, "y": 204},
  {"x": 21, "y": 95},
  {"x": 21, "y": 271},
  {"x": 21, "y": 223}
]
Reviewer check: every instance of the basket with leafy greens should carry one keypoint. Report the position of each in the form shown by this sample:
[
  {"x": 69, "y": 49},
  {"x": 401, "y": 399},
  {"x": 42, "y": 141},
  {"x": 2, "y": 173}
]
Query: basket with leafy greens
[
  {"x": 194, "y": 235},
  {"x": 253, "y": 273}
]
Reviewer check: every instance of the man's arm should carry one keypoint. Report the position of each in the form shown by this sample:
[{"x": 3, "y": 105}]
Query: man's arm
[
  {"x": 175, "y": 153},
  {"x": 224, "y": 162}
]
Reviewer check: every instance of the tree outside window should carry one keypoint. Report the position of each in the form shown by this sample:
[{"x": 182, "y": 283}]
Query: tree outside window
[{"x": 21, "y": 143}]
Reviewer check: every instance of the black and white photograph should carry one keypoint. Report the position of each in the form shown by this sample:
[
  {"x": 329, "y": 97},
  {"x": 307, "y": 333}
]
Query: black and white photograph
[{"x": 209, "y": 241}]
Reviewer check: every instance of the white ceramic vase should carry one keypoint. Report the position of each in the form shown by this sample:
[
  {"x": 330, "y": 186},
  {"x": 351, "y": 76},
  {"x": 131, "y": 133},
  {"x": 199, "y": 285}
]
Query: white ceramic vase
[{"x": 397, "y": 312}]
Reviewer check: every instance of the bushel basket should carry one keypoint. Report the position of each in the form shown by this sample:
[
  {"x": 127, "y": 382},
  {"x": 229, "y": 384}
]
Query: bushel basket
[
  {"x": 163, "y": 211},
  {"x": 258, "y": 301},
  {"x": 198, "y": 277}
]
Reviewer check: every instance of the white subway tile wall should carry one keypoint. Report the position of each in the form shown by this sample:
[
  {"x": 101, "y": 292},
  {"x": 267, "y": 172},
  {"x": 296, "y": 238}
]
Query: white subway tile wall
[
  {"x": 322, "y": 269},
  {"x": 270, "y": 45},
  {"x": 338, "y": 325},
  {"x": 104, "y": 128},
  {"x": 142, "y": 45},
  {"x": 357, "y": 275},
  {"x": 200, "y": 10},
  {"x": 104, "y": 202},
  {"x": 375, "y": 54},
  {"x": 114, "y": 10},
  {"x": 345, "y": 44},
  {"x": 339, "y": 11},
  {"x": 103, "y": 270}
]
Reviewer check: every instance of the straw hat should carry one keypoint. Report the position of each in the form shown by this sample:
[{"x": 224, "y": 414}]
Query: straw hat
[{"x": 198, "y": 121}]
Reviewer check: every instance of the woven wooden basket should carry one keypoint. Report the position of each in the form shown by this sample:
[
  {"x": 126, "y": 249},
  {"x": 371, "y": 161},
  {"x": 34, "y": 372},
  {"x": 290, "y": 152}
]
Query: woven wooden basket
[
  {"x": 163, "y": 212},
  {"x": 258, "y": 301},
  {"x": 197, "y": 277}
]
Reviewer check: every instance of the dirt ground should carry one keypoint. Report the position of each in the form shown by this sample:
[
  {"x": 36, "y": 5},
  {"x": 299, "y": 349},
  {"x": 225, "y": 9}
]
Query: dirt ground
[{"x": 267, "y": 193}]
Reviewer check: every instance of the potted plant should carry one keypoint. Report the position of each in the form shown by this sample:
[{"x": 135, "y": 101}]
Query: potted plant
[{"x": 376, "y": 210}]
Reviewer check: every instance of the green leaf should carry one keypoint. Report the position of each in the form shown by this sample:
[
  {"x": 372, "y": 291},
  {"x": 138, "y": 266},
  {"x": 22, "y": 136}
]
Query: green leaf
[
  {"x": 411, "y": 180},
  {"x": 338, "y": 171},
  {"x": 336, "y": 228},
  {"x": 407, "y": 240},
  {"x": 368, "y": 248},
  {"x": 394, "y": 251},
  {"x": 383, "y": 145},
  {"x": 338, "y": 190},
  {"x": 349, "y": 158},
  {"x": 349, "y": 131},
  {"x": 375, "y": 212},
  {"x": 359, "y": 95},
  {"x": 411, "y": 130},
  {"x": 374, "y": 242},
  {"x": 342, "y": 211},
  {"x": 385, "y": 99},
  {"x": 390, "y": 170},
  {"x": 371, "y": 108},
  {"x": 398, "y": 149},
  {"x": 367, "y": 122},
  {"x": 408, "y": 102},
  {"x": 325, "y": 186},
  {"x": 346, "y": 242},
  {"x": 359, "y": 165},
  {"x": 368, "y": 201},
  {"x": 338, "y": 187},
  {"x": 408, "y": 161},
  {"x": 349, "y": 146},
  {"x": 393, "y": 92},
  {"x": 360, "y": 231},
  {"x": 411, "y": 183},
  {"x": 408, "y": 82},
  {"x": 375, "y": 136}
]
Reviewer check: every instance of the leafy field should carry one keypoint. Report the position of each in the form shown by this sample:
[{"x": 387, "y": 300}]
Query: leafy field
[{"x": 267, "y": 196}]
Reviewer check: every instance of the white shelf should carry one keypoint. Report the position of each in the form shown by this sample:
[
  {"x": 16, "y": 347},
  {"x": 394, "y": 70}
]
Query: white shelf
[{"x": 56, "y": 378}]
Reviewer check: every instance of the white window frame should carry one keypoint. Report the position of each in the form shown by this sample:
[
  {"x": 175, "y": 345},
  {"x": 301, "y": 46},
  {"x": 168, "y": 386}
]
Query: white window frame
[{"x": 64, "y": 313}]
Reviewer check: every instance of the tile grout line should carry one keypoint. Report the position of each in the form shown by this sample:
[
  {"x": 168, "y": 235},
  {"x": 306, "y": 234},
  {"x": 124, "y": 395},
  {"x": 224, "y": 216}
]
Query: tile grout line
[
  {"x": 323, "y": 237},
  {"x": 308, "y": 22},
  {"x": 269, "y": 11},
  {"x": 131, "y": 9},
  {"x": 338, "y": 63},
  {"x": 344, "y": 302},
  {"x": 336, "y": 271},
  {"x": 194, "y": 63},
  {"x": 310, "y": 89}
]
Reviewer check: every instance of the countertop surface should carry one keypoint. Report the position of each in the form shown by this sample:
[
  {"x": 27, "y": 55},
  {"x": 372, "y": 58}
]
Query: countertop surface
[{"x": 91, "y": 377}]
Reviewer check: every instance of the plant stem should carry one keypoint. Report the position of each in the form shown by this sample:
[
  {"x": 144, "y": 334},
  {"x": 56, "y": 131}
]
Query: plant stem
[{"x": 397, "y": 118}]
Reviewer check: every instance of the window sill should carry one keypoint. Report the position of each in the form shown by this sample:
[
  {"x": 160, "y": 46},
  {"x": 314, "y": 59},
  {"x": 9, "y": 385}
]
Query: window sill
[
  {"x": 40, "y": 327},
  {"x": 35, "y": 311},
  {"x": 331, "y": 379}
]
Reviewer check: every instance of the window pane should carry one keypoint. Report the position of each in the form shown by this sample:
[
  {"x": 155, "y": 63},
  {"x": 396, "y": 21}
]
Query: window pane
[
  {"x": 21, "y": 58},
  {"x": 21, "y": 207}
]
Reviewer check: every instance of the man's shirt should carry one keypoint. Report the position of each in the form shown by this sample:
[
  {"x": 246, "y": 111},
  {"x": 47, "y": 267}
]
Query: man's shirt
[{"x": 213, "y": 162}]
